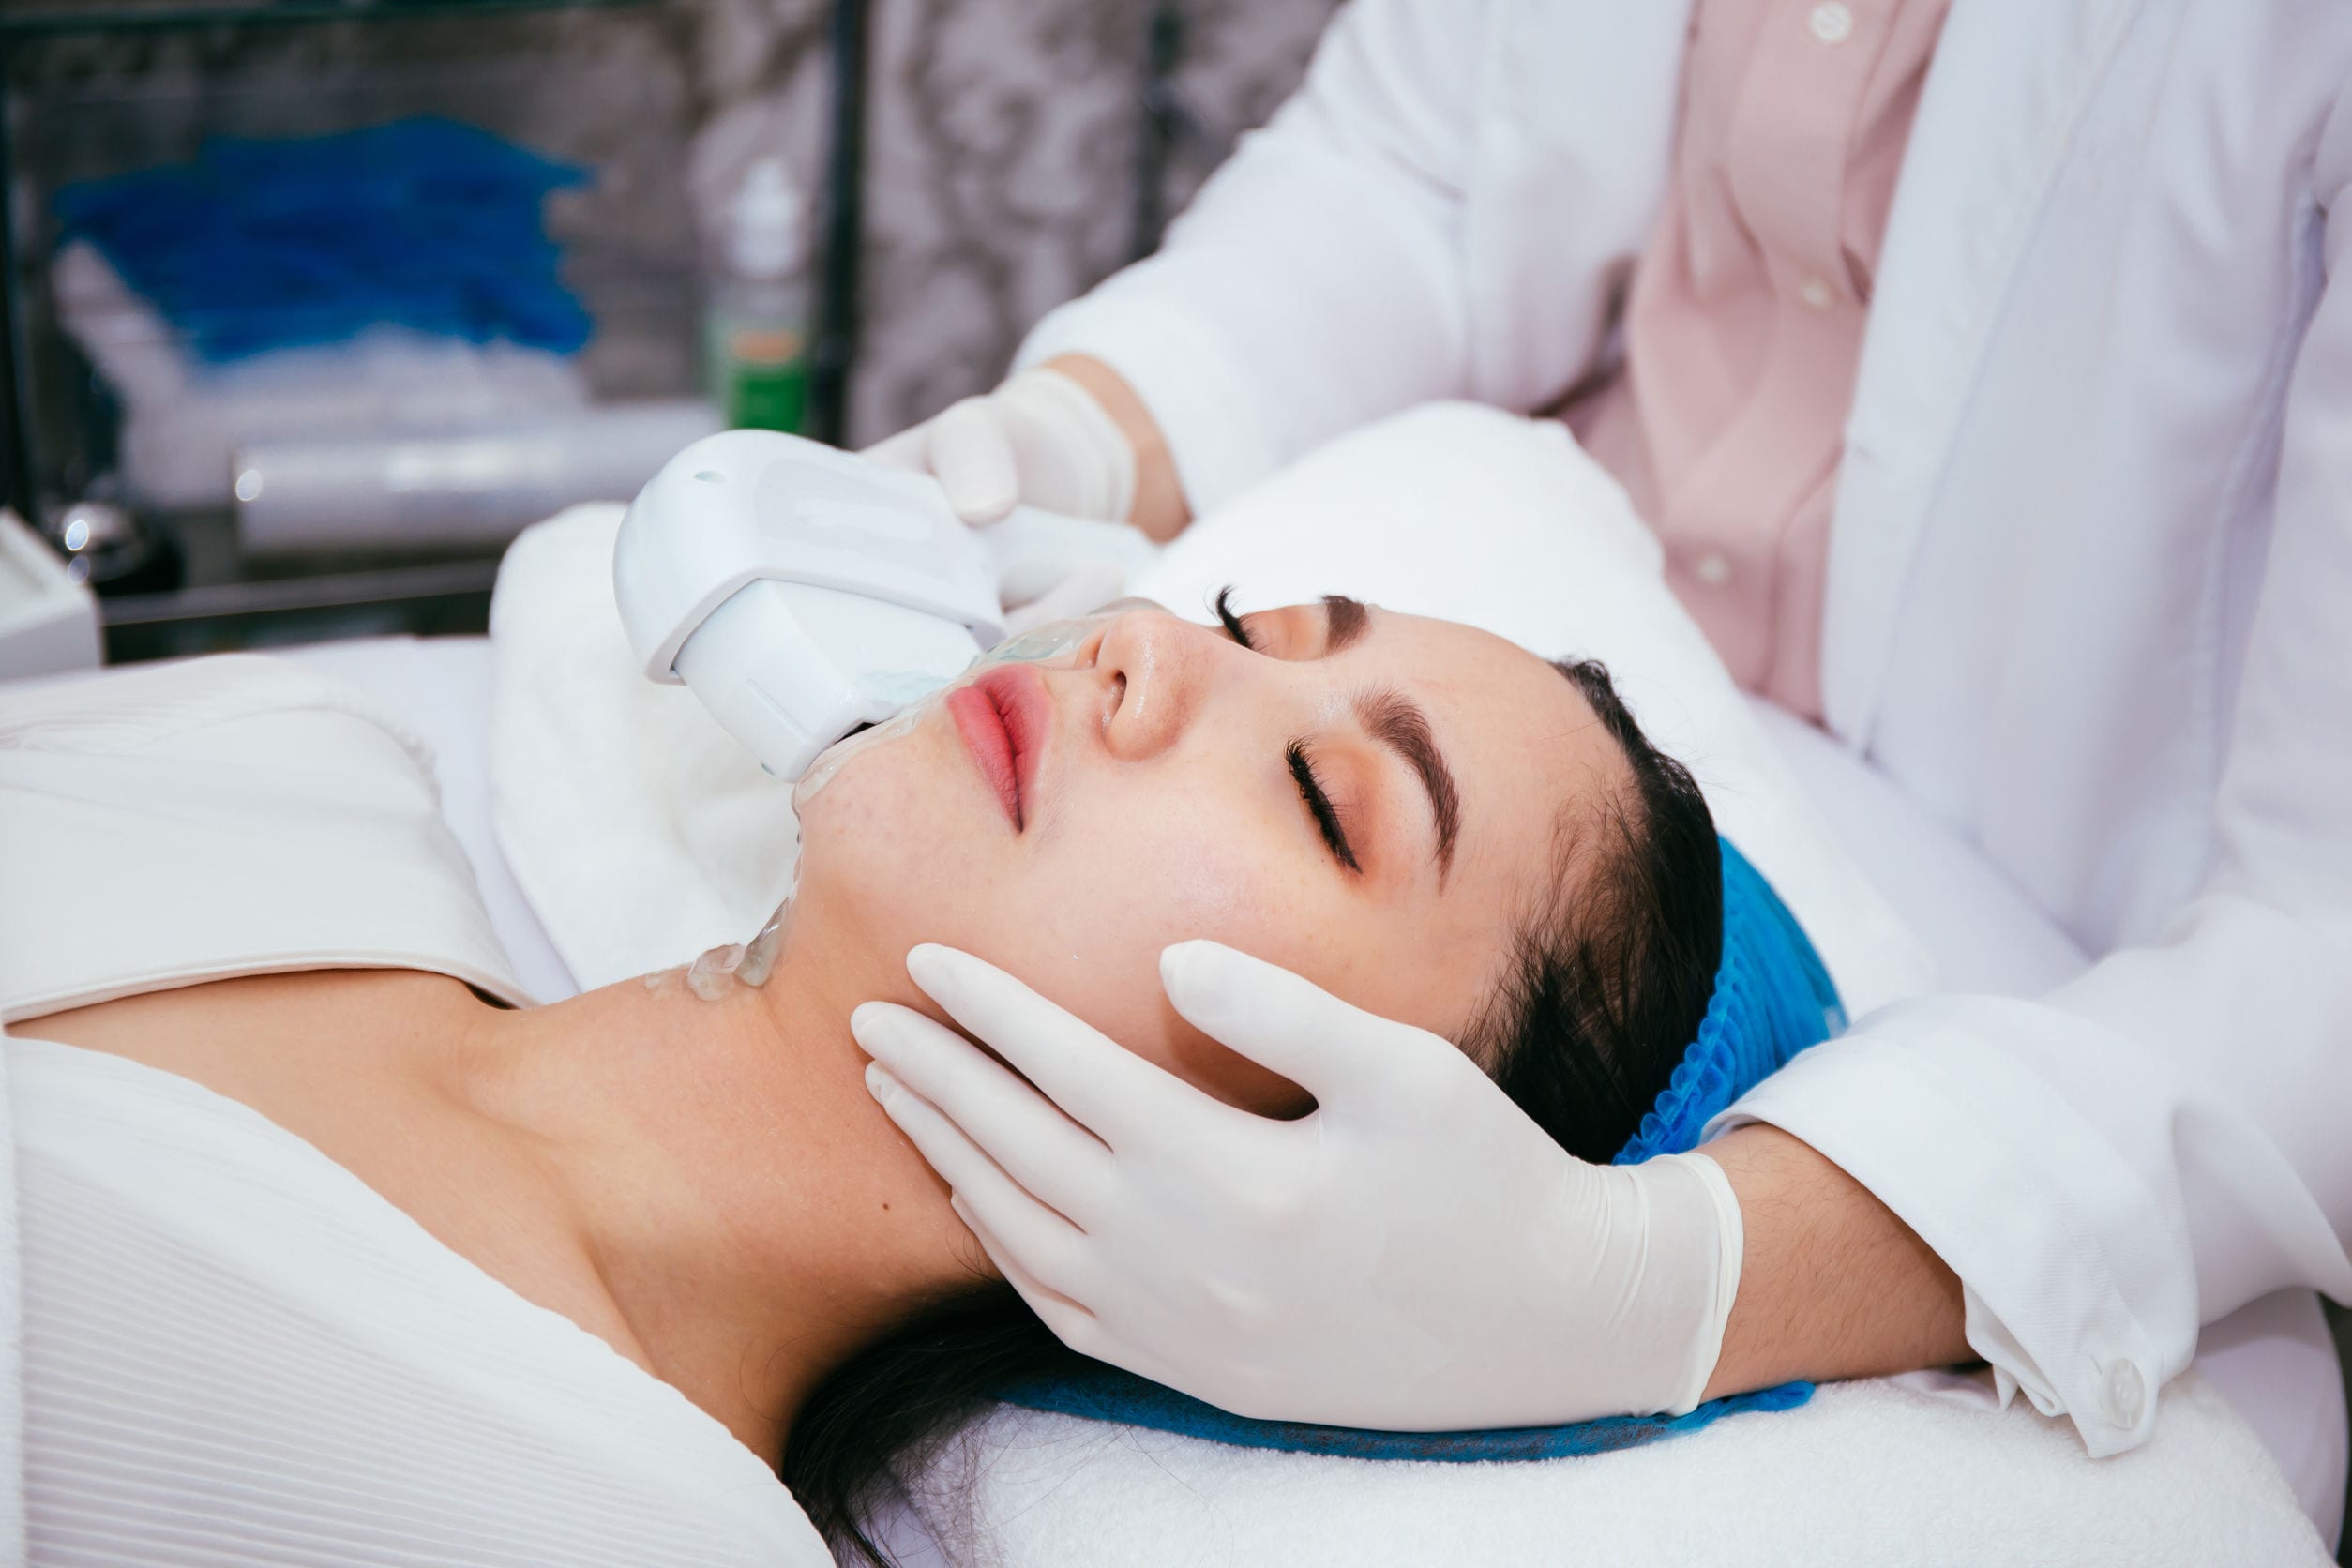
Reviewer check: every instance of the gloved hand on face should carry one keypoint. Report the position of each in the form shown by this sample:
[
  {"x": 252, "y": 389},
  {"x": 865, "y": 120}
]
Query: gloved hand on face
[{"x": 1413, "y": 1254}]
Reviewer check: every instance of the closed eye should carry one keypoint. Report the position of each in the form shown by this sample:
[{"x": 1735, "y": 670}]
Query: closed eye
[
  {"x": 1319, "y": 804},
  {"x": 1233, "y": 622},
  {"x": 1303, "y": 773}
]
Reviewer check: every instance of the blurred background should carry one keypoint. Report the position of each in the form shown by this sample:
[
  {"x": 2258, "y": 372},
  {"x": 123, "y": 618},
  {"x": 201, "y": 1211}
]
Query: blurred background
[{"x": 312, "y": 304}]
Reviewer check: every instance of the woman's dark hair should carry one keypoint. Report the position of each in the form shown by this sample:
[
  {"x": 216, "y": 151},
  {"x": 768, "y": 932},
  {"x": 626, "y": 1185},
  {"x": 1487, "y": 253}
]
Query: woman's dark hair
[
  {"x": 1612, "y": 972},
  {"x": 1608, "y": 974}
]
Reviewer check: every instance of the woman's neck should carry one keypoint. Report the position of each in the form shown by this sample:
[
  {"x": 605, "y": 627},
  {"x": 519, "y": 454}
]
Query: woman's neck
[{"x": 751, "y": 1215}]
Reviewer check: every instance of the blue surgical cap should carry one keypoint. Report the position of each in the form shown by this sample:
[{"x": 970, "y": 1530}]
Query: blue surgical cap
[{"x": 1773, "y": 999}]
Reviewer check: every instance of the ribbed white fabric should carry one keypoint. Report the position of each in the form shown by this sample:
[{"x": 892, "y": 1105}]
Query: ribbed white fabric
[
  {"x": 235, "y": 1352},
  {"x": 216, "y": 1345},
  {"x": 168, "y": 825}
]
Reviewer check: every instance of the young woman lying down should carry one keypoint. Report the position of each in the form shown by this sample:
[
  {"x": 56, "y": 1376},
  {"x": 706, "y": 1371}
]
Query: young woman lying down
[{"x": 310, "y": 1227}]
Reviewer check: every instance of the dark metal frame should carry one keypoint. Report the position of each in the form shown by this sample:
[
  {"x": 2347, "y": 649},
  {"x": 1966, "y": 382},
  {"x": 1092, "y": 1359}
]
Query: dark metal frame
[
  {"x": 833, "y": 345},
  {"x": 20, "y": 26},
  {"x": 1166, "y": 123}
]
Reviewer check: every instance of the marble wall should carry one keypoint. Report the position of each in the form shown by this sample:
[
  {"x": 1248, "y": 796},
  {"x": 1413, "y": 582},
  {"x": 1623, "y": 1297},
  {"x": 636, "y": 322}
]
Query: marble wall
[
  {"x": 1001, "y": 136},
  {"x": 1001, "y": 154}
]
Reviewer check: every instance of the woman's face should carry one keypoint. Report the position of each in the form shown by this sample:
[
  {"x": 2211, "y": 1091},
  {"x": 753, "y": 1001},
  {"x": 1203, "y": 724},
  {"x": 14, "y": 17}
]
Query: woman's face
[{"x": 1372, "y": 800}]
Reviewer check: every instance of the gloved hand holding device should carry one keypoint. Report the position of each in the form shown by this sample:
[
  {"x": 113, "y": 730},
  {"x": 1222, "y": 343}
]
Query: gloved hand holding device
[
  {"x": 1412, "y": 1255},
  {"x": 1040, "y": 440}
]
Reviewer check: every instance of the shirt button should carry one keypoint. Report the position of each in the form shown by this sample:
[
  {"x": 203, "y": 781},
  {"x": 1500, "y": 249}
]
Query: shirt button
[
  {"x": 1712, "y": 569},
  {"x": 1816, "y": 293},
  {"x": 2123, "y": 1394},
  {"x": 1832, "y": 22}
]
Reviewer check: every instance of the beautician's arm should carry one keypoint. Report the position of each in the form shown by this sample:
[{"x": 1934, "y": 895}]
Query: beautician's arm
[
  {"x": 2161, "y": 1141},
  {"x": 1833, "y": 1284},
  {"x": 1317, "y": 282},
  {"x": 1414, "y": 1255},
  {"x": 1336, "y": 269},
  {"x": 1160, "y": 509},
  {"x": 1331, "y": 272}
]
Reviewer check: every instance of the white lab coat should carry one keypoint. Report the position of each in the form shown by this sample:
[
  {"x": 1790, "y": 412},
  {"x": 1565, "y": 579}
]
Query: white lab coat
[{"x": 2090, "y": 594}]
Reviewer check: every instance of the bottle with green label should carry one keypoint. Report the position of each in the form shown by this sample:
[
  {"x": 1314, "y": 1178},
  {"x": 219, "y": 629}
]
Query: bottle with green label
[{"x": 756, "y": 325}]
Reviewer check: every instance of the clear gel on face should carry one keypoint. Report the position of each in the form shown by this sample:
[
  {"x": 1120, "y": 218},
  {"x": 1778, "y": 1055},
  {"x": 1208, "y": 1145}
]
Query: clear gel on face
[
  {"x": 900, "y": 688},
  {"x": 1054, "y": 640},
  {"x": 713, "y": 974},
  {"x": 831, "y": 760}
]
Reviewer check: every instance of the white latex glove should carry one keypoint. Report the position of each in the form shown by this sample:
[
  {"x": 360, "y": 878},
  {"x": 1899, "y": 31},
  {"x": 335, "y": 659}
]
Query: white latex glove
[
  {"x": 1415, "y": 1255},
  {"x": 1040, "y": 440}
]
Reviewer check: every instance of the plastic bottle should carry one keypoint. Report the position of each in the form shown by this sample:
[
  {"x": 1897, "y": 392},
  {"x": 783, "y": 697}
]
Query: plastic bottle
[{"x": 756, "y": 324}]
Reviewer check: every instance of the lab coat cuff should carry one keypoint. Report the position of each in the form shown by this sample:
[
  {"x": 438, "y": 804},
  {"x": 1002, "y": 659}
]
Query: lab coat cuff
[
  {"x": 1200, "y": 395},
  {"x": 2018, "y": 1208}
]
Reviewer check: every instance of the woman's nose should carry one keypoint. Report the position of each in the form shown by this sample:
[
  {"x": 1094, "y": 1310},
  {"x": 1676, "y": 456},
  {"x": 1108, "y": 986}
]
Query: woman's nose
[{"x": 1155, "y": 672}]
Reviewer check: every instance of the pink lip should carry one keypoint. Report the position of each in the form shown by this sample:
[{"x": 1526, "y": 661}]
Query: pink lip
[{"x": 1003, "y": 716}]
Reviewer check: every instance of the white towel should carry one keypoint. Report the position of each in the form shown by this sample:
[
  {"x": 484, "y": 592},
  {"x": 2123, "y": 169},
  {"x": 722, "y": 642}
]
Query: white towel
[{"x": 1868, "y": 1475}]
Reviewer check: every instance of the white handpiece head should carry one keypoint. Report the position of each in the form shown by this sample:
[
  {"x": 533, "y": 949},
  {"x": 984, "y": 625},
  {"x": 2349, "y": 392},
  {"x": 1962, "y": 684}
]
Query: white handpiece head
[{"x": 799, "y": 591}]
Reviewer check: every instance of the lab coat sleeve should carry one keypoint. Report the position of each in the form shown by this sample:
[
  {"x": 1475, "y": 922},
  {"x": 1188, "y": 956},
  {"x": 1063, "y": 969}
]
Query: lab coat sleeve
[
  {"x": 2170, "y": 1135},
  {"x": 1317, "y": 280}
]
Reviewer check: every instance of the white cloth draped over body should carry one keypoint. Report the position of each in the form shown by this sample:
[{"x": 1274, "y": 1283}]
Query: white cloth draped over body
[
  {"x": 2086, "y": 580},
  {"x": 220, "y": 1346}
]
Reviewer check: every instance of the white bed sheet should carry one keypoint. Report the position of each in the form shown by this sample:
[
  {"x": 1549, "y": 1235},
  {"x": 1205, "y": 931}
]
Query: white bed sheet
[
  {"x": 2274, "y": 1362},
  {"x": 441, "y": 687}
]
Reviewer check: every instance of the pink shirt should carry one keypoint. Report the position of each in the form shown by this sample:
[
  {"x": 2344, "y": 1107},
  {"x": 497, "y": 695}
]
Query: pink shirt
[{"x": 1744, "y": 325}]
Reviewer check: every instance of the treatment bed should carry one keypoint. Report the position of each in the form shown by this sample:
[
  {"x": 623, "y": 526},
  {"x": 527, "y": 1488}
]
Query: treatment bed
[
  {"x": 625, "y": 814},
  {"x": 2274, "y": 1362}
]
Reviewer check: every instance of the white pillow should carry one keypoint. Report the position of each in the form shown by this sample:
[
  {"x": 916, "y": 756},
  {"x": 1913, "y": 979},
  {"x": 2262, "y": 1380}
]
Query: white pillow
[
  {"x": 1461, "y": 511},
  {"x": 639, "y": 831}
]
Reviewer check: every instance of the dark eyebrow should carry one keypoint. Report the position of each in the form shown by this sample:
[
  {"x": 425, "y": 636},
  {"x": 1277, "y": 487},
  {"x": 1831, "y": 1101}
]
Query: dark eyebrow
[
  {"x": 1396, "y": 722},
  {"x": 1344, "y": 620}
]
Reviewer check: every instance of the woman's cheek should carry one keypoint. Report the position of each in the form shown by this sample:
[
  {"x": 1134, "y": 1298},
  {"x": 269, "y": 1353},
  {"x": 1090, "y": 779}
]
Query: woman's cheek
[
  {"x": 1165, "y": 871},
  {"x": 1111, "y": 909},
  {"x": 900, "y": 854}
]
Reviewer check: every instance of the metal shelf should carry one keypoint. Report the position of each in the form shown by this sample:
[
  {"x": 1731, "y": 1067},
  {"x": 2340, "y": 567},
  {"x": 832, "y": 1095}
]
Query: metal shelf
[
  {"x": 439, "y": 599},
  {"x": 225, "y": 599}
]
